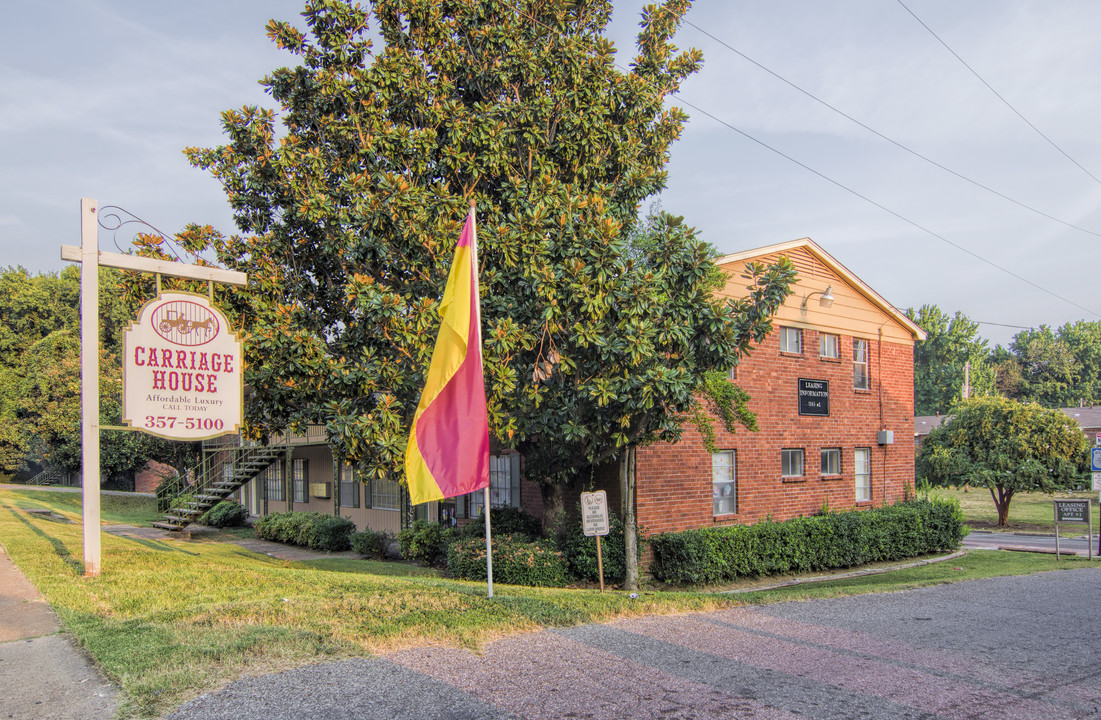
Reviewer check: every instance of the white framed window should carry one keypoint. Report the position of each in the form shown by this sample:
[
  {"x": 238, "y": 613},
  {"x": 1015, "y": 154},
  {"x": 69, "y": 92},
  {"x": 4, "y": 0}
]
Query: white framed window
[
  {"x": 385, "y": 494},
  {"x": 831, "y": 461},
  {"x": 724, "y": 486},
  {"x": 829, "y": 346},
  {"x": 300, "y": 478},
  {"x": 791, "y": 340},
  {"x": 273, "y": 481},
  {"x": 862, "y": 468},
  {"x": 791, "y": 462},
  {"x": 349, "y": 487},
  {"x": 504, "y": 485},
  {"x": 860, "y": 365}
]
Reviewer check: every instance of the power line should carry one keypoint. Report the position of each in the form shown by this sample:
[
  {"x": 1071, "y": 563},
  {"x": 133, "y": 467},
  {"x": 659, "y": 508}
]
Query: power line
[
  {"x": 1019, "y": 327},
  {"x": 882, "y": 207},
  {"x": 997, "y": 94},
  {"x": 851, "y": 191},
  {"x": 880, "y": 135}
]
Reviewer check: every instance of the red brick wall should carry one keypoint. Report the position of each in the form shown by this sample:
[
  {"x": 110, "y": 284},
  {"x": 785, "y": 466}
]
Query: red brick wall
[
  {"x": 674, "y": 480},
  {"x": 148, "y": 478}
]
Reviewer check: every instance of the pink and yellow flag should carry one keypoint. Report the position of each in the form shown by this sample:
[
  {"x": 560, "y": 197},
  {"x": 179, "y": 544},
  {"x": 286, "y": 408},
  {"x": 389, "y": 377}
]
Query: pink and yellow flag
[{"x": 448, "y": 451}]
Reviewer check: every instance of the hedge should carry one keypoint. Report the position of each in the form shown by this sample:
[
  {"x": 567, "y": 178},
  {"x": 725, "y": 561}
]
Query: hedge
[
  {"x": 579, "y": 551},
  {"x": 308, "y": 529},
  {"x": 808, "y": 544},
  {"x": 227, "y": 513},
  {"x": 516, "y": 561}
]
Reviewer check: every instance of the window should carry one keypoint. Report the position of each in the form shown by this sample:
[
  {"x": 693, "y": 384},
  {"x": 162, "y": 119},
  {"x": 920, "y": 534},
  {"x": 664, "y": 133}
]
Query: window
[
  {"x": 829, "y": 346},
  {"x": 791, "y": 340},
  {"x": 504, "y": 485},
  {"x": 273, "y": 481},
  {"x": 860, "y": 365},
  {"x": 724, "y": 488},
  {"x": 791, "y": 462},
  {"x": 385, "y": 494},
  {"x": 349, "y": 487},
  {"x": 831, "y": 461},
  {"x": 300, "y": 477},
  {"x": 862, "y": 466}
]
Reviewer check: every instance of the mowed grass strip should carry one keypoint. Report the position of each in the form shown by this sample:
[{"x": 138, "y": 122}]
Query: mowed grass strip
[
  {"x": 1028, "y": 512},
  {"x": 972, "y": 565},
  {"x": 170, "y": 619}
]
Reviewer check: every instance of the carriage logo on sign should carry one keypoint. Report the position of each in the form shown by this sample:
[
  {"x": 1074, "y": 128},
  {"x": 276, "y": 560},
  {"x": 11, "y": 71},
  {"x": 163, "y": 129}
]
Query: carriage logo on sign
[{"x": 181, "y": 371}]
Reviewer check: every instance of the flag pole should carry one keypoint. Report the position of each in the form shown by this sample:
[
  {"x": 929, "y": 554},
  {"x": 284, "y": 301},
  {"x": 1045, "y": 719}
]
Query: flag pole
[{"x": 478, "y": 306}]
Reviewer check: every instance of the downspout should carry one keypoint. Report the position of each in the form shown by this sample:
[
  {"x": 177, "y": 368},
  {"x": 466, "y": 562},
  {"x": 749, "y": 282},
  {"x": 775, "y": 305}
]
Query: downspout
[{"x": 879, "y": 389}]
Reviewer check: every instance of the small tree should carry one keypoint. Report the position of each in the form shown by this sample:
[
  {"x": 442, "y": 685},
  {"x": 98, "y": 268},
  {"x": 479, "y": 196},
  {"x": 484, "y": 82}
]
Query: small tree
[{"x": 1007, "y": 447}]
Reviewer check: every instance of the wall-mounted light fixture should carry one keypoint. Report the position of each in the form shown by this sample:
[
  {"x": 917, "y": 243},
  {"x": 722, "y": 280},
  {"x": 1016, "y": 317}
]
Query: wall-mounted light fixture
[{"x": 825, "y": 301}]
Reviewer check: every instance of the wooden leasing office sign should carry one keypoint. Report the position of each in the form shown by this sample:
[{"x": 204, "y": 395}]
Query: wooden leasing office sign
[
  {"x": 182, "y": 370},
  {"x": 1073, "y": 511}
]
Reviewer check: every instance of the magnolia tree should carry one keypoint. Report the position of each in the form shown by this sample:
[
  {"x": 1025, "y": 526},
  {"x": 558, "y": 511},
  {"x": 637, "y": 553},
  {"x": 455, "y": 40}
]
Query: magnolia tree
[
  {"x": 350, "y": 200},
  {"x": 1007, "y": 447}
]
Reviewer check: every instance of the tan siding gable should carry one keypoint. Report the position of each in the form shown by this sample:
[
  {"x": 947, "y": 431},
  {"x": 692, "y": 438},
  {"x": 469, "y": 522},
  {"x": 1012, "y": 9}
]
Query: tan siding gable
[{"x": 853, "y": 312}]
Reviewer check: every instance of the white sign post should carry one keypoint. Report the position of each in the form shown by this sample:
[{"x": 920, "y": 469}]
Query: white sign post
[
  {"x": 90, "y": 258},
  {"x": 594, "y": 521}
]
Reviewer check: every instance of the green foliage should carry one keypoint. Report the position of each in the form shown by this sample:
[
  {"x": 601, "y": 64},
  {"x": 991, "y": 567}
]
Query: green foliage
[
  {"x": 808, "y": 544},
  {"x": 308, "y": 529},
  {"x": 940, "y": 360},
  {"x": 166, "y": 491},
  {"x": 374, "y": 543},
  {"x": 1060, "y": 368},
  {"x": 350, "y": 210},
  {"x": 227, "y": 513},
  {"x": 516, "y": 561},
  {"x": 504, "y": 521},
  {"x": 40, "y": 376},
  {"x": 1006, "y": 446},
  {"x": 579, "y": 551},
  {"x": 426, "y": 542}
]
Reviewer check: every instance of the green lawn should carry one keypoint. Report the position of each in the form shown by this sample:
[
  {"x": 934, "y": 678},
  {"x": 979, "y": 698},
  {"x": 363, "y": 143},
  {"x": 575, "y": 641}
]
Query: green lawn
[
  {"x": 1028, "y": 512},
  {"x": 169, "y": 619}
]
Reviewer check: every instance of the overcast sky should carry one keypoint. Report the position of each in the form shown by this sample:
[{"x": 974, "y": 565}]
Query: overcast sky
[{"x": 99, "y": 97}]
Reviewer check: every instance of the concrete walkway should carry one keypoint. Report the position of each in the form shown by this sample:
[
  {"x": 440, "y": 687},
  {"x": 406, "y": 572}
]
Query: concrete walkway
[{"x": 43, "y": 675}]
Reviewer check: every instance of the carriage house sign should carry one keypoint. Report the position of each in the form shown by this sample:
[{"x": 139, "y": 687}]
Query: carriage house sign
[{"x": 182, "y": 370}]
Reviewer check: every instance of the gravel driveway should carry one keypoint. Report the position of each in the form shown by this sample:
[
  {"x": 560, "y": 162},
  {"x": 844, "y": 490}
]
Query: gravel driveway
[{"x": 1015, "y": 647}]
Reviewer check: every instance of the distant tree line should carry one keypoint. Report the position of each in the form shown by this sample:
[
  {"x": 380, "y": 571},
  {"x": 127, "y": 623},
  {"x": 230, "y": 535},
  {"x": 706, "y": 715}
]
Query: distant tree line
[
  {"x": 1054, "y": 368},
  {"x": 40, "y": 378}
]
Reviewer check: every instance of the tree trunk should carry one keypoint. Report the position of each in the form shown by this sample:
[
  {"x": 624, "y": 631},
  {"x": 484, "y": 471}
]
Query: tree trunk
[
  {"x": 1002, "y": 496},
  {"x": 630, "y": 520},
  {"x": 554, "y": 505}
]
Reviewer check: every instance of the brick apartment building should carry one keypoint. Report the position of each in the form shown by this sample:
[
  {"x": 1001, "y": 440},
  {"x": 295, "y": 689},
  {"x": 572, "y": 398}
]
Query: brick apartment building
[{"x": 832, "y": 387}]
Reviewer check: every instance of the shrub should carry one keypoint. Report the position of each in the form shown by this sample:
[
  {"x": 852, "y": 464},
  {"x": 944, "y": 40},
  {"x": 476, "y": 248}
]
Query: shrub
[
  {"x": 579, "y": 551},
  {"x": 504, "y": 521},
  {"x": 372, "y": 542},
  {"x": 166, "y": 491},
  {"x": 516, "y": 561},
  {"x": 331, "y": 534},
  {"x": 425, "y": 542},
  {"x": 808, "y": 544},
  {"x": 308, "y": 529},
  {"x": 227, "y": 513}
]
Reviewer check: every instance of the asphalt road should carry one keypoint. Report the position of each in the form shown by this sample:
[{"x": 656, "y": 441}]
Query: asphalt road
[
  {"x": 1014, "y": 647},
  {"x": 983, "y": 539}
]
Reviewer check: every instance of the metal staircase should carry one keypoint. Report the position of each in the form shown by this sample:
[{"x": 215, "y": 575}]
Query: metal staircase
[
  {"x": 49, "y": 476},
  {"x": 228, "y": 469}
]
